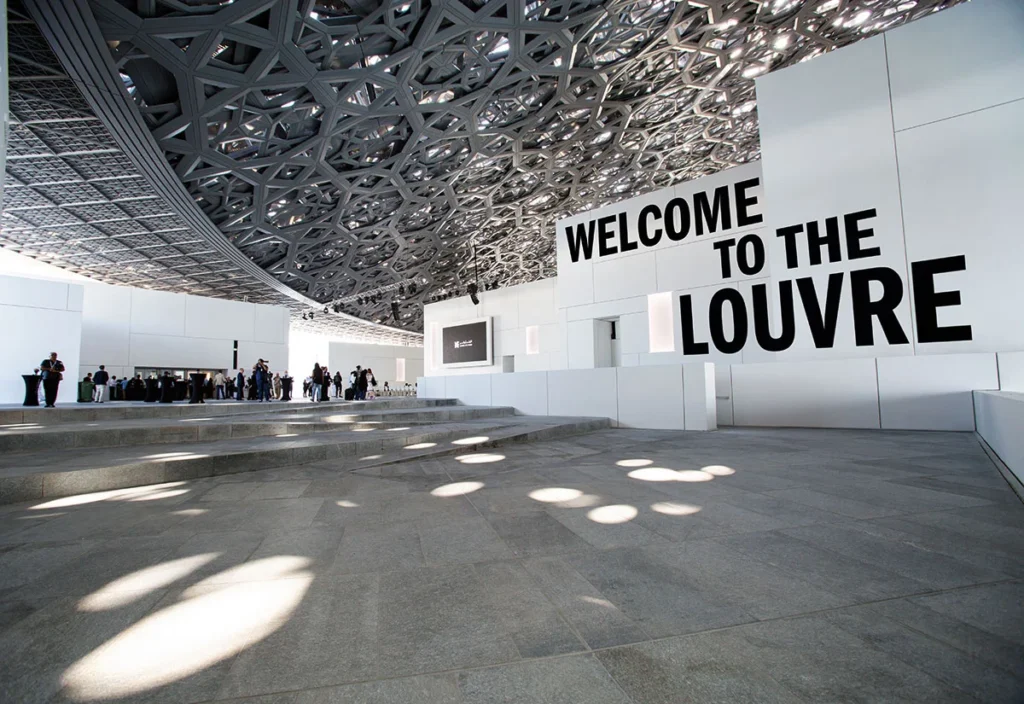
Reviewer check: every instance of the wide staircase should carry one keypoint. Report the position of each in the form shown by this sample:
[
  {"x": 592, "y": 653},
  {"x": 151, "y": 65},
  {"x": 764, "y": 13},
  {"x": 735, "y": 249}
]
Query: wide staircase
[{"x": 49, "y": 453}]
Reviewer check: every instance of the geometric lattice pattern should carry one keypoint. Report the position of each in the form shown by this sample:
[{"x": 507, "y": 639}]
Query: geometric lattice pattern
[
  {"x": 73, "y": 198},
  {"x": 345, "y": 146}
]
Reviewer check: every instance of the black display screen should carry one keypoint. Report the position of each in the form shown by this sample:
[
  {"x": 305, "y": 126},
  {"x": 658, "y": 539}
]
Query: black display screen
[{"x": 465, "y": 343}]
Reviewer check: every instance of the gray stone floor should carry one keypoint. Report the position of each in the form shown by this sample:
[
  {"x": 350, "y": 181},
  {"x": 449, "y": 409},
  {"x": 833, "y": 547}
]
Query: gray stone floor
[{"x": 617, "y": 567}]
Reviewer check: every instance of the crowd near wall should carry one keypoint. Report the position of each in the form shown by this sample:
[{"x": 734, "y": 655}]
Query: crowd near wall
[{"x": 861, "y": 275}]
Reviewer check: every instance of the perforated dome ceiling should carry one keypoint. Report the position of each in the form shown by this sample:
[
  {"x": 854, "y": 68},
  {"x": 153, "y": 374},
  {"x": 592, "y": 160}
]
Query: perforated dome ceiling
[{"x": 360, "y": 152}]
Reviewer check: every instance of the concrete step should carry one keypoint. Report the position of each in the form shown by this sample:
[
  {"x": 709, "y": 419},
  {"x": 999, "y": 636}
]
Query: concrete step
[
  {"x": 31, "y": 476},
  {"x": 135, "y": 410},
  {"x": 33, "y": 437}
]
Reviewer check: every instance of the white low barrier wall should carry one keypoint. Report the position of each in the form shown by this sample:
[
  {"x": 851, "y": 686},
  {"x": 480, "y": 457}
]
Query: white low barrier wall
[
  {"x": 669, "y": 397},
  {"x": 1000, "y": 417},
  {"x": 932, "y": 392}
]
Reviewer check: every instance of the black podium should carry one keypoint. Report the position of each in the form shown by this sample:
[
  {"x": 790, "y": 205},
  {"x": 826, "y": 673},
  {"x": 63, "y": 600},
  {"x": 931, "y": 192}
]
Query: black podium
[
  {"x": 31, "y": 389},
  {"x": 198, "y": 379},
  {"x": 286, "y": 388},
  {"x": 167, "y": 389},
  {"x": 152, "y": 391}
]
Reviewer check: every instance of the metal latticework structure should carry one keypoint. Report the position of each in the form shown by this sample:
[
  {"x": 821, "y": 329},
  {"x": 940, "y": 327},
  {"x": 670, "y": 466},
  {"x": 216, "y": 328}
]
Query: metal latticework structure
[
  {"x": 72, "y": 197},
  {"x": 348, "y": 146}
]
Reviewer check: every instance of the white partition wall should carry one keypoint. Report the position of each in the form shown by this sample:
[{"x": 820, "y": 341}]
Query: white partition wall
[
  {"x": 382, "y": 359},
  {"x": 38, "y": 317}
]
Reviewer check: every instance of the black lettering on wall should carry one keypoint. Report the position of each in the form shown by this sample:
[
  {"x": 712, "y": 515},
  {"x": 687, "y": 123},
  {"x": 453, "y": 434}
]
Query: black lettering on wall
[
  {"x": 716, "y": 314},
  {"x": 583, "y": 241},
  {"x": 686, "y": 316},
  {"x": 763, "y": 321},
  {"x": 821, "y": 322},
  {"x": 854, "y": 234},
  {"x": 712, "y": 215},
  {"x": 743, "y": 201},
  {"x": 789, "y": 233},
  {"x": 864, "y": 309},
  {"x": 625, "y": 244},
  {"x": 677, "y": 219},
  {"x": 831, "y": 240},
  {"x": 723, "y": 247},
  {"x": 750, "y": 264},
  {"x": 605, "y": 235},
  {"x": 649, "y": 239},
  {"x": 927, "y": 300}
]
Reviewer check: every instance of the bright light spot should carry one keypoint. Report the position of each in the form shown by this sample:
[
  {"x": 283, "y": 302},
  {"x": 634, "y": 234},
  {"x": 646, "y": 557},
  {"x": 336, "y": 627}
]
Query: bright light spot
[
  {"x": 859, "y": 19},
  {"x": 752, "y": 71},
  {"x": 371, "y": 457},
  {"x": 553, "y": 494},
  {"x": 470, "y": 441},
  {"x": 347, "y": 504},
  {"x": 718, "y": 470},
  {"x": 634, "y": 463},
  {"x": 209, "y": 625},
  {"x": 671, "y": 508},
  {"x": 132, "y": 494},
  {"x": 457, "y": 489},
  {"x": 420, "y": 446},
  {"x": 694, "y": 475},
  {"x": 782, "y": 42},
  {"x": 583, "y": 501},
  {"x": 599, "y": 602},
  {"x": 610, "y": 515},
  {"x": 288, "y": 435},
  {"x": 125, "y": 590},
  {"x": 654, "y": 474},
  {"x": 190, "y": 512},
  {"x": 361, "y": 430},
  {"x": 164, "y": 455},
  {"x": 480, "y": 458},
  {"x": 391, "y": 430}
]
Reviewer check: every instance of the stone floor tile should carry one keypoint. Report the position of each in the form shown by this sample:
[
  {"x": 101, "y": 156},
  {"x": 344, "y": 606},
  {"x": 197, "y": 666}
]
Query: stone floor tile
[{"x": 568, "y": 680}]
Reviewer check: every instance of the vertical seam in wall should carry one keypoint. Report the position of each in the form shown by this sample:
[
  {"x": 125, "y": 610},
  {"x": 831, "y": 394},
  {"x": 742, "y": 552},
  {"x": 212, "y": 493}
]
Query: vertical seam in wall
[
  {"x": 732, "y": 397},
  {"x": 878, "y": 394},
  {"x": 899, "y": 195},
  {"x": 682, "y": 372},
  {"x": 999, "y": 377}
]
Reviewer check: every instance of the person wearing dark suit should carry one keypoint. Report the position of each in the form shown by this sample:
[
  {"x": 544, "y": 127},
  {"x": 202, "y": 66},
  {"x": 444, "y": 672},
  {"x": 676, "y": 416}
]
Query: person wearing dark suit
[
  {"x": 240, "y": 386},
  {"x": 52, "y": 371},
  {"x": 100, "y": 379}
]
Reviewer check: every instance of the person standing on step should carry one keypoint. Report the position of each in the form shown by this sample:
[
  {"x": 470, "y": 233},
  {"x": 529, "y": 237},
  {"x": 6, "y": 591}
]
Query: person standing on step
[
  {"x": 219, "y": 382},
  {"x": 240, "y": 386},
  {"x": 325, "y": 392},
  {"x": 361, "y": 384},
  {"x": 317, "y": 381},
  {"x": 100, "y": 379},
  {"x": 337, "y": 384},
  {"x": 52, "y": 371}
]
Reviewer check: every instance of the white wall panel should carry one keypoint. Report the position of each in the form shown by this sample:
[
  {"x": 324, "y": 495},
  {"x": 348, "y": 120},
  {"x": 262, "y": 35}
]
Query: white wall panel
[
  {"x": 956, "y": 61},
  {"x": 962, "y": 181},
  {"x": 33, "y": 293},
  {"x": 1000, "y": 417},
  {"x": 249, "y": 352},
  {"x": 624, "y": 277},
  {"x": 822, "y": 394},
  {"x": 157, "y": 313},
  {"x": 723, "y": 393},
  {"x": 608, "y": 309},
  {"x": 470, "y": 389},
  {"x": 30, "y": 334},
  {"x": 583, "y": 392},
  {"x": 76, "y": 297},
  {"x": 580, "y": 344},
  {"x": 219, "y": 319},
  {"x": 430, "y": 387},
  {"x": 933, "y": 392},
  {"x": 699, "y": 396},
  {"x": 632, "y": 333},
  {"x": 272, "y": 323},
  {"x": 106, "y": 327},
  {"x": 650, "y": 397},
  {"x": 1011, "y": 371},
  {"x": 176, "y": 352},
  {"x": 527, "y": 392},
  {"x": 537, "y": 303}
]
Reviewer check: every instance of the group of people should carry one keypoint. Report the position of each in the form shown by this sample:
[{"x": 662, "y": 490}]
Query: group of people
[
  {"x": 261, "y": 384},
  {"x": 360, "y": 387},
  {"x": 107, "y": 387}
]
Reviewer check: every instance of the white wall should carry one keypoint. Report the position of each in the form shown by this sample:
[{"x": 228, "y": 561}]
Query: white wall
[
  {"x": 344, "y": 356},
  {"x": 38, "y": 317},
  {"x": 513, "y": 309},
  {"x": 1000, "y": 419},
  {"x": 124, "y": 328}
]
